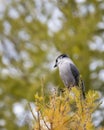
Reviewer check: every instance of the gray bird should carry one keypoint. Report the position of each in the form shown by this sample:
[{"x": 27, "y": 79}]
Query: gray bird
[{"x": 68, "y": 72}]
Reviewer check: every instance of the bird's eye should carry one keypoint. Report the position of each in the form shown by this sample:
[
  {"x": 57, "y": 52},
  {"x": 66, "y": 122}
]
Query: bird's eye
[{"x": 56, "y": 60}]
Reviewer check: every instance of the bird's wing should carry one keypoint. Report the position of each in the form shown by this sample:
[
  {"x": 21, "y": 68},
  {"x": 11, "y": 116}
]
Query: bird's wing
[{"x": 75, "y": 73}]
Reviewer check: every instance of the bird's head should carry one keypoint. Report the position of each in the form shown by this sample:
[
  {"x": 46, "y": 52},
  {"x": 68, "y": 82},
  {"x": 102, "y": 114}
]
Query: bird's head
[{"x": 60, "y": 59}]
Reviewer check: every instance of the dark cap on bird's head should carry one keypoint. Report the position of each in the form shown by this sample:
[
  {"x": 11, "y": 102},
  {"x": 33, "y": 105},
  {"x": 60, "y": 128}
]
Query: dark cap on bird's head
[
  {"x": 62, "y": 56},
  {"x": 59, "y": 57}
]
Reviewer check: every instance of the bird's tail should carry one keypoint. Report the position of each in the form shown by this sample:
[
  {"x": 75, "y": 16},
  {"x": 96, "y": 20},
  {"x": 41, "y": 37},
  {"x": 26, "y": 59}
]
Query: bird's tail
[{"x": 83, "y": 89}]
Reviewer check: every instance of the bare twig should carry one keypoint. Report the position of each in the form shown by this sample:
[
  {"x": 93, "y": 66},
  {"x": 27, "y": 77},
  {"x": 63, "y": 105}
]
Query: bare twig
[
  {"x": 44, "y": 121},
  {"x": 39, "y": 121},
  {"x": 32, "y": 111}
]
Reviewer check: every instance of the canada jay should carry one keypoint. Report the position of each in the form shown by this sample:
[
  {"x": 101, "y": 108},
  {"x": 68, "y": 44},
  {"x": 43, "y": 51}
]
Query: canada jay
[{"x": 68, "y": 72}]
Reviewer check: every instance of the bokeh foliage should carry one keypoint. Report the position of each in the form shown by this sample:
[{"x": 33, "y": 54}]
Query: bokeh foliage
[{"x": 32, "y": 34}]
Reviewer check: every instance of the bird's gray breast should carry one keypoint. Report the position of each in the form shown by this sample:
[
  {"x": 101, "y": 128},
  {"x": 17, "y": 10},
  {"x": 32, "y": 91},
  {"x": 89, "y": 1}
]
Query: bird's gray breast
[{"x": 66, "y": 74}]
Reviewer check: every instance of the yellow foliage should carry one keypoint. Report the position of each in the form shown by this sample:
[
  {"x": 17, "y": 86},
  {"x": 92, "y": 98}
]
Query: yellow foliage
[{"x": 66, "y": 111}]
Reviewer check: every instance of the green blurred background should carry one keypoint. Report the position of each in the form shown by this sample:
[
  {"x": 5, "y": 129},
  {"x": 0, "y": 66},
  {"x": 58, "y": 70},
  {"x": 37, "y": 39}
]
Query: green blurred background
[{"x": 32, "y": 34}]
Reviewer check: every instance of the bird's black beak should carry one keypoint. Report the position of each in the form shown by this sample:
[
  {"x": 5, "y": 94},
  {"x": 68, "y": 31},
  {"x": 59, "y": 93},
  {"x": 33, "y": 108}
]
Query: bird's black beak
[{"x": 55, "y": 65}]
